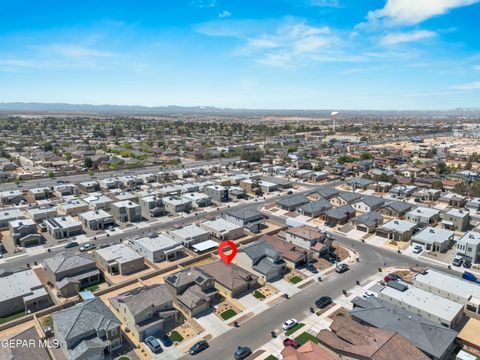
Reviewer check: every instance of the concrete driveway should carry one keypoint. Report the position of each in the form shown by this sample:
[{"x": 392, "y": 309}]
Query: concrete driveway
[
  {"x": 212, "y": 324},
  {"x": 285, "y": 287}
]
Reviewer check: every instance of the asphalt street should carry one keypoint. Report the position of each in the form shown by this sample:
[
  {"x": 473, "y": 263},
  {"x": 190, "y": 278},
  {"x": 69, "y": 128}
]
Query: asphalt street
[
  {"x": 256, "y": 331},
  {"x": 22, "y": 261},
  {"x": 28, "y": 184}
]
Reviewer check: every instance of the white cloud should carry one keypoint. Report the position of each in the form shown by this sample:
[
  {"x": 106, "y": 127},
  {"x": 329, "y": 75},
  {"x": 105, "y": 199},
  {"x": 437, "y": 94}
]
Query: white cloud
[
  {"x": 290, "y": 44},
  {"x": 404, "y": 37},
  {"x": 411, "y": 12},
  {"x": 469, "y": 86},
  {"x": 224, "y": 14}
]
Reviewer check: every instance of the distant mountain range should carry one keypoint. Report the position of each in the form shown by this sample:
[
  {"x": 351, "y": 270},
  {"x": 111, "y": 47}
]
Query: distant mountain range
[{"x": 206, "y": 110}]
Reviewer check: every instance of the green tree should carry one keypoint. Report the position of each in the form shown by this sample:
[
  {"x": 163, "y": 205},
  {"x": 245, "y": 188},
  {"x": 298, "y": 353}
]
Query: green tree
[
  {"x": 366, "y": 155},
  {"x": 345, "y": 159},
  {"x": 51, "y": 174},
  {"x": 88, "y": 163},
  {"x": 437, "y": 185},
  {"x": 461, "y": 188}
]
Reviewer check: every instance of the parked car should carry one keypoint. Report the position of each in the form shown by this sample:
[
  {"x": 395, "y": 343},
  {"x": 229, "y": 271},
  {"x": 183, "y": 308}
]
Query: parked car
[
  {"x": 310, "y": 267},
  {"x": 287, "y": 325},
  {"x": 330, "y": 223},
  {"x": 292, "y": 343},
  {"x": 457, "y": 261},
  {"x": 71, "y": 244},
  {"x": 129, "y": 242},
  {"x": 104, "y": 245},
  {"x": 417, "y": 249},
  {"x": 392, "y": 277},
  {"x": 341, "y": 268},
  {"x": 153, "y": 344},
  {"x": 198, "y": 347},
  {"x": 323, "y": 302},
  {"x": 85, "y": 247},
  {"x": 165, "y": 339},
  {"x": 467, "y": 264},
  {"x": 368, "y": 294},
  {"x": 242, "y": 352}
]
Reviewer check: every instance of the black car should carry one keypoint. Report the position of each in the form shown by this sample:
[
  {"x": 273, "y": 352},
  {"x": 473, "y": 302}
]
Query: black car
[
  {"x": 331, "y": 259},
  {"x": 467, "y": 264},
  {"x": 198, "y": 347},
  {"x": 311, "y": 268},
  {"x": 323, "y": 302},
  {"x": 165, "y": 339},
  {"x": 71, "y": 244},
  {"x": 394, "y": 276},
  {"x": 242, "y": 352}
]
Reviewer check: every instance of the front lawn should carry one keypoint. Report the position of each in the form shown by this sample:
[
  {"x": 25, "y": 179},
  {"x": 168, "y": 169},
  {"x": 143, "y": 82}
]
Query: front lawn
[
  {"x": 5, "y": 319},
  {"x": 304, "y": 337},
  {"x": 228, "y": 314},
  {"x": 295, "y": 279},
  {"x": 258, "y": 295},
  {"x": 271, "y": 357},
  {"x": 123, "y": 358},
  {"x": 295, "y": 328},
  {"x": 176, "y": 337}
]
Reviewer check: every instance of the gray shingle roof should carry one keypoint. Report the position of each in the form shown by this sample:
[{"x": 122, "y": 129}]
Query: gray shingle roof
[
  {"x": 295, "y": 200},
  {"x": 145, "y": 297},
  {"x": 399, "y": 206},
  {"x": 431, "y": 338},
  {"x": 370, "y": 219},
  {"x": 373, "y": 201},
  {"x": 63, "y": 262},
  {"x": 326, "y": 192},
  {"x": 349, "y": 196},
  {"x": 260, "y": 249},
  {"x": 340, "y": 212},
  {"x": 315, "y": 206},
  {"x": 360, "y": 182},
  {"x": 79, "y": 321},
  {"x": 187, "y": 276}
]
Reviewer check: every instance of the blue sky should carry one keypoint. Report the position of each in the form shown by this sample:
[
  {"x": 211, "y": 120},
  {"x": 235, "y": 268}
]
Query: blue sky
[{"x": 266, "y": 54}]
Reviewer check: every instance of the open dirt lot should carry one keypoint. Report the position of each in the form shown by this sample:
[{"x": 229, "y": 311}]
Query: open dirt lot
[{"x": 461, "y": 146}]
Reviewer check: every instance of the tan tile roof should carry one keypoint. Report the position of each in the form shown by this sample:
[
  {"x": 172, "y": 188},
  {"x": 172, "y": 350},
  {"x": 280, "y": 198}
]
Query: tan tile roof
[
  {"x": 305, "y": 232},
  {"x": 308, "y": 351},
  {"x": 230, "y": 276},
  {"x": 288, "y": 251},
  {"x": 349, "y": 337}
]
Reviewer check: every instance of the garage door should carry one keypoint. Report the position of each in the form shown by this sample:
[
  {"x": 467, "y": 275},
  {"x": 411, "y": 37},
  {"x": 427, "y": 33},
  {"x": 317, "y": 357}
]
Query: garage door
[
  {"x": 362, "y": 228},
  {"x": 382, "y": 234}
]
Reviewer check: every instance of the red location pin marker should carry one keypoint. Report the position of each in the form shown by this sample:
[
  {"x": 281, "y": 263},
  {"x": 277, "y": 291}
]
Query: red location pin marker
[{"x": 227, "y": 258}]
